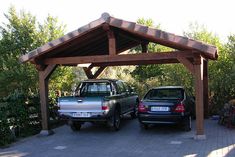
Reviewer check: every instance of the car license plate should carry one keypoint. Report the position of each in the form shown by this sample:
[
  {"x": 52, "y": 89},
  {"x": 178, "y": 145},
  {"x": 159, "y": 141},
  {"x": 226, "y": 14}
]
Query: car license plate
[
  {"x": 160, "y": 109},
  {"x": 81, "y": 114}
]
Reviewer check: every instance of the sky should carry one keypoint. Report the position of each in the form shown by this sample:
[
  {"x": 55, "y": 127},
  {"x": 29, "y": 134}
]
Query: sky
[{"x": 174, "y": 16}]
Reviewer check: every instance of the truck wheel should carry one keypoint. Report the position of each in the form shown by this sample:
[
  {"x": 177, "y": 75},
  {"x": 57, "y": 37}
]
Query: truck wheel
[
  {"x": 115, "y": 120},
  {"x": 187, "y": 126},
  {"x": 75, "y": 126}
]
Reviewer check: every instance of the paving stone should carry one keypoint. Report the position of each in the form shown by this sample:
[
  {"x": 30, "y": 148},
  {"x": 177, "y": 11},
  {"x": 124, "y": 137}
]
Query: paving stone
[{"x": 130, "y": 141}]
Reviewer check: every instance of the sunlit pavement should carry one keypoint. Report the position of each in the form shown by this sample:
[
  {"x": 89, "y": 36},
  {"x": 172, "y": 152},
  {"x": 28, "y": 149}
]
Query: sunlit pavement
[{"x": 130, "y": 141}]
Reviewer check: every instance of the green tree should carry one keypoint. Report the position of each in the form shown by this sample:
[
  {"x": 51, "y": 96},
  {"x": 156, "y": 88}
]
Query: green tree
[
  {"x": 21, "y": 34},
  {"x": 221, "y": 72},
  {"x": 158, "y": 75},
  {"x": 19, "y": 101},
  {"x": 144, "y": 72}
]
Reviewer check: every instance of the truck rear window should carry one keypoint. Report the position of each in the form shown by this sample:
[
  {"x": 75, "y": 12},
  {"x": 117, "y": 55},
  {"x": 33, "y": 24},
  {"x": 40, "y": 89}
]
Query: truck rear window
[
  {"x": 160, "y": 94},
  {"x": 95, "y": 89}
]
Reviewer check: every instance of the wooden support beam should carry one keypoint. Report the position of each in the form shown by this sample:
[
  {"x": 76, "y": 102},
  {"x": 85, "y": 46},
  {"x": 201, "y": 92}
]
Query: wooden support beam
[
  {"x": 96, "y": 74},
  {"x": 88, "y": 72},
  {"x": 112, "y": 43},
  {"x": 198, "y": 66},
  {"x": 144, "y": 47},
  {"x": 44, "y": 76},
  {"x": 125, "y": 63},
  {"x": 187, "y": 63},
  {"x": 205, "y": 88},
  {"x": 138, "y": 58}
]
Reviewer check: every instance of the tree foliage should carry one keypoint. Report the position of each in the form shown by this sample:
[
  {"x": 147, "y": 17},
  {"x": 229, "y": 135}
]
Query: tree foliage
[
  {"x": 21, "y": 34},
  {"x": 19, "y": 82},
  {"x": 221, "y": 72}
]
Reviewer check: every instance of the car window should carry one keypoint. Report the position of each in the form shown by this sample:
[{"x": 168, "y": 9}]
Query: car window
[
  {"x": 120, "y": 87},
  {"x": 159, "y": 94},
  {"x": 127, "y": 87},
  {"x": 96, "y": 89}
]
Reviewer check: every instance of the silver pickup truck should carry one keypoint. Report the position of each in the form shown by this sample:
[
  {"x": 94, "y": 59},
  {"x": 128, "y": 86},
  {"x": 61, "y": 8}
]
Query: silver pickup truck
[{"x": 98, "y": 100}]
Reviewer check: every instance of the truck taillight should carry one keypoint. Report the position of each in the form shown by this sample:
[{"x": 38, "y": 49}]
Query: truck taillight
[
  {"x": 179, "y": 108},
  {"x": 142, "y": 107},
  {"x": 105, "y": 108}
]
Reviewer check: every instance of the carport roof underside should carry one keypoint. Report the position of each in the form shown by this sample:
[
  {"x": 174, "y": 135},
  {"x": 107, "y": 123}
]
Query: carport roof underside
[{"x": 93, "y": 40}]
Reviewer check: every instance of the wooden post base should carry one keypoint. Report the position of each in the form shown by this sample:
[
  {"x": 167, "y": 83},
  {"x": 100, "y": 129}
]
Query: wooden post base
[
  {"x": 46, "y": 133},
  {"x": 200, "y": 137}
]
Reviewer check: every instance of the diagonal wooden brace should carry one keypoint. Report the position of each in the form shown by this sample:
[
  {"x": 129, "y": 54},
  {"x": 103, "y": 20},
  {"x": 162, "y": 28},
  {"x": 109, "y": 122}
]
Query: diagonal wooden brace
[
  {"x": 187, "y": 63},
  {"x": 96, "y": 74}
]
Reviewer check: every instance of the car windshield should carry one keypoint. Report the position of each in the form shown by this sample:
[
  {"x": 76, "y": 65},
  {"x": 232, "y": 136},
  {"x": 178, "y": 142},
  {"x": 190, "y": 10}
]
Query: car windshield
[
  {"x": 95, "y": 89},
  {"x": 169, "y": 93}
]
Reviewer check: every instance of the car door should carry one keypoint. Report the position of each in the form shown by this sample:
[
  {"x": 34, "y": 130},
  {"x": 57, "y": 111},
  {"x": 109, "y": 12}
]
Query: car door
[
  {"x": 129, "y": 98},
  {"x": 121, "y": 91}
]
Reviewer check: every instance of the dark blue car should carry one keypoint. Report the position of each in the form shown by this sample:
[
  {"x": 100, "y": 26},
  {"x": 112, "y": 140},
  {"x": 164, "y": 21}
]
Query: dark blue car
[{"x": 167, "y": 105}]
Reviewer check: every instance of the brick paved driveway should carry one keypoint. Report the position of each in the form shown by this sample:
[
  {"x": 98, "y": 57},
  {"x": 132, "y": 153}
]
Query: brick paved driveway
[{"x": 130, "y": 141}]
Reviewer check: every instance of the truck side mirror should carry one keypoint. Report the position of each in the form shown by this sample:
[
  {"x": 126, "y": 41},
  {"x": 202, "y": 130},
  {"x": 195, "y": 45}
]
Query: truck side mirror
[
  {"x": 132, "y": 89},
  {"x": 113, "y": 92}
]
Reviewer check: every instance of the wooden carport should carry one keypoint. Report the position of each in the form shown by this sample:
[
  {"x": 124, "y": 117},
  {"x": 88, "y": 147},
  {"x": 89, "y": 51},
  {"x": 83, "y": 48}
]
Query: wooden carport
[{"x": 101, "y": 42}]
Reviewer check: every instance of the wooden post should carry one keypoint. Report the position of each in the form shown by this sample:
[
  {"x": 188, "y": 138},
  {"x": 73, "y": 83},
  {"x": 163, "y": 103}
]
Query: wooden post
[
  {"x": 44, "y": 75},
  {"x": 112, "y": 42},
  {"x": 205, "y": 88},
  {"x": 198, "y": 67}
]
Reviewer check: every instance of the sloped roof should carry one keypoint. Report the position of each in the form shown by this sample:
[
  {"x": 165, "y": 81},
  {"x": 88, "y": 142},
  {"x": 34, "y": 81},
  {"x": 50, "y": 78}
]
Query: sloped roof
[{"x": 92, "y": 40}]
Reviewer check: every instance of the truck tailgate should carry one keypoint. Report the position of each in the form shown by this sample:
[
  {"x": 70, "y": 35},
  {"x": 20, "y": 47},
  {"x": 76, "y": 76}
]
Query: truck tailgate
[{"x": 80, "y": 104}]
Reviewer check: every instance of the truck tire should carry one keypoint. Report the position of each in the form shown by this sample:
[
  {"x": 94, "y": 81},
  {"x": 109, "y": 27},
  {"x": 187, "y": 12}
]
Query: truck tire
[
  {"x": 115, "y": 120},
  {"x": 75, "y": 126}
]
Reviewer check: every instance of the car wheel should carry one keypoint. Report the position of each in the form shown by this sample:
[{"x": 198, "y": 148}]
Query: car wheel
[
  {"x": 144, "y": 126},
  {"x": 75, "y": 126},
  {"x": 134, "y": 112},
  {"x": 187, "y": 126},
  {"x": 115, "y": 120}
]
